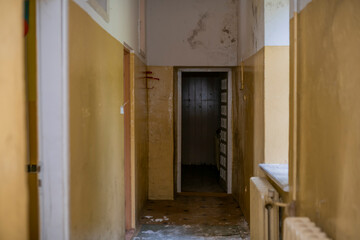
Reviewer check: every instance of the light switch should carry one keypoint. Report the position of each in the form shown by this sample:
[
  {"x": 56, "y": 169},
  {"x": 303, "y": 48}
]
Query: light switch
[{"x": 122, "y": 110}]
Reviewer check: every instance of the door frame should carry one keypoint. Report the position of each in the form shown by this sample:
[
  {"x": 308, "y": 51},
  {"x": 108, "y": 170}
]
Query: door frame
[
  {"x": 127, "y": 139},
  {"x": 53, "y": 117},
  {"x": 179, "y": 124}
]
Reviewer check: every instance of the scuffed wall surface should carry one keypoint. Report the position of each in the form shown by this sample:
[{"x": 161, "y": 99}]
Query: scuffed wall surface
[
  {"x": 191, "y": 33},
  {"x": 161, "y": 139},
  {"x": 96, "y": 130},
  {"x": 328, "y": 116},
  {"x": 238, "y": 171},
  {"x": 140, "y": 139},
  {"x": 13, "y": 178},
  {"x": 276, "y": 104},
  {"x": 248, "y": 128}
]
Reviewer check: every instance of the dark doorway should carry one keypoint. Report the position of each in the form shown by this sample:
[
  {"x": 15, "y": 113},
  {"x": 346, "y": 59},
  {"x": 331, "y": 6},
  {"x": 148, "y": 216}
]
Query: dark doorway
[{"x": 200, "y": 131}]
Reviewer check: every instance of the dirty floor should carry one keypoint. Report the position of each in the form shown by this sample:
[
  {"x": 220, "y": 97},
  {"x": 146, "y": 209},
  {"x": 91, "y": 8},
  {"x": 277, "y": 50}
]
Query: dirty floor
[
  {"x": 193, "y": 216},
  {"x": 203, "y": 178}
]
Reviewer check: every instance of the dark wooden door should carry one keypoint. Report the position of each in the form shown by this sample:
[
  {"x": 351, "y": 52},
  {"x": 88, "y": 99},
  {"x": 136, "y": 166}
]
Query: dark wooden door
[{"x": 201, "y": 93}]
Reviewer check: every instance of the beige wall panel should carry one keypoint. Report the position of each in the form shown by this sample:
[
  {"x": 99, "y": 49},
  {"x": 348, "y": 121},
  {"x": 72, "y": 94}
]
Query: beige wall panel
[
  {"x": 276, "y": 104},
  {"x": 328, "y": 116},
  {"x": 96, "y": 130},
  {"x": 13, "y": 181},
  {"x": 161, "y": 136},
  {"x": 292, "y": 110}
]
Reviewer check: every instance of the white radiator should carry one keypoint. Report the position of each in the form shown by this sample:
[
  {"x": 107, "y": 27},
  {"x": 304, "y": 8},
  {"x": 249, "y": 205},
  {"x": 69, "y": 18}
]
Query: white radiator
[
  {"x": 301, "y": 228},
  {"x": 260, "y": 191}
]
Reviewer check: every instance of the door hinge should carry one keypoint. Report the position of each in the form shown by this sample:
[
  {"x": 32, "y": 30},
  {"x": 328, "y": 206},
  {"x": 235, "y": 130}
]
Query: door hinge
[{"x": 33, "y": 168}]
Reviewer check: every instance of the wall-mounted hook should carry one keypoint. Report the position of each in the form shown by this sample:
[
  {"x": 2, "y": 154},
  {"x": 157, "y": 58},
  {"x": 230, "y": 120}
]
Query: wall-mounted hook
[
  {"x": 149, "y": 78},
  {"x": 153, "y": 78}
]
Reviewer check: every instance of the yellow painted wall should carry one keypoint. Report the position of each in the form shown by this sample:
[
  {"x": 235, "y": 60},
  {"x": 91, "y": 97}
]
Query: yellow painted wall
[
  {"x": 292, "y": 109},
  {"x": 140, "y": 141},
  {"x": 96, "y": 130},
  {"x": 328, "y": 116},
  {"x": 13, "y": 177},
  {"x": 248, "y": 127},
  {"x": 260, "y": 117},
  {"x": 161, "y": 136}
]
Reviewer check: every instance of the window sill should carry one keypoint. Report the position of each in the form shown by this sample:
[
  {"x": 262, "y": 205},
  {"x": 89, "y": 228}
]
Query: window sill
[{"x": 278, "y": 173}]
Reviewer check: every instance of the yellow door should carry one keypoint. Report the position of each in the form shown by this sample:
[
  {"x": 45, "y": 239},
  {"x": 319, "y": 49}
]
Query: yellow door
[{"x": 13, "y": 187}]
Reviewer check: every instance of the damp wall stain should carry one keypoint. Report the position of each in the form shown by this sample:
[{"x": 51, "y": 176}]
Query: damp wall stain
[
  {"x": 192, "y": 33},
  {"x": 200, "y": 27}
]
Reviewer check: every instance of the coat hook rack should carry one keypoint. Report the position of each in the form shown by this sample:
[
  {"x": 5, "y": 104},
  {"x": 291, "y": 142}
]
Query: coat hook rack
[{"x": 149, "y": 78}]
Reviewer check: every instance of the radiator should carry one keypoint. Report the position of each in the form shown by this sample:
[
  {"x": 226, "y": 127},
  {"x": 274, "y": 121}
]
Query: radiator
[
  {"x": 260, "y": 191},
  {"x": 301, "y": 228}
]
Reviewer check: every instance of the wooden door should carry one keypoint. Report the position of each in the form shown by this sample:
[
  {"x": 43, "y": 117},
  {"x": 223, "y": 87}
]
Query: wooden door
[{"x": 200, "y": 118}]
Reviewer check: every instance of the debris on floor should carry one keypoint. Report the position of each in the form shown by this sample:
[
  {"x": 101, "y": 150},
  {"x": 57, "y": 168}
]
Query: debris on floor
[
  {"x": 193, "y": 217},
  {"x": 174, "y": 232}
]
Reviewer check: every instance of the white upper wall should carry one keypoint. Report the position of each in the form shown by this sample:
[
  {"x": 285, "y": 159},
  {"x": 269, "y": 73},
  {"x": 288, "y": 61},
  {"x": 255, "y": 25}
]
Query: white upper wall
[
  {"x": 277, "y": 22},
  {"x": 251, "y": 34},
  {"x": 262, "y": 23},
  {"x": 123, "y": 20},
  {"x": 191, "y": 33},
  {"x": 298, "y": 6}
]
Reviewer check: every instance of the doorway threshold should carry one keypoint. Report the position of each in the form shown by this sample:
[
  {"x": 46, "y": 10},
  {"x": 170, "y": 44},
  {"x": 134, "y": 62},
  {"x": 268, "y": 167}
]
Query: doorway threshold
[{"x": 204, "y": 194}]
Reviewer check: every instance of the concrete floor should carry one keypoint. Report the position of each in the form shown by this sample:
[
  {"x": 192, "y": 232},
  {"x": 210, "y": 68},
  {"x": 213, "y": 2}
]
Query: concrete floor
[{"x": 193, "y": 216}]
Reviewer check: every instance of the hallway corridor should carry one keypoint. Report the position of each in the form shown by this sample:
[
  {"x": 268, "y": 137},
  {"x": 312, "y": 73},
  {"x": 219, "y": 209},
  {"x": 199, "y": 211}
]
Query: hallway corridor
[
  {"x": 168, "y": 119},
  {"x": 193, "y": 216}
]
